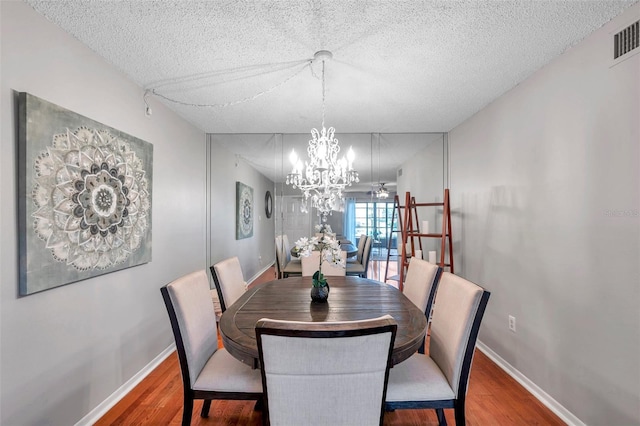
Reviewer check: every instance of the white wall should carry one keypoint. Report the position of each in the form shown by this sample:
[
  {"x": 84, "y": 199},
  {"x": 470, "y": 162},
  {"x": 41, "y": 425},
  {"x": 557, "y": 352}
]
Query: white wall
[
  {"x": 534, "y": 178},
  {"x": 65, "y": 350},
  {"x": 255, "y": 253}
]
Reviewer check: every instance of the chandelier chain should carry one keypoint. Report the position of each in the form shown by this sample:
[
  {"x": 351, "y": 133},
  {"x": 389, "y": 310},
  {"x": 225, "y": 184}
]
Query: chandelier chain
[
  {"x": 240, "y": 101},
  {"x": 323, "y": 177},
  {"x": 323, "y": 95}
]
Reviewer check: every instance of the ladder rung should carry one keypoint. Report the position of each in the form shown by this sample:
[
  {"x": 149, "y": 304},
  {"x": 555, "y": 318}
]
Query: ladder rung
[
  {"x": 427, "y": 204},
  {"x": 418, "y": 234}
]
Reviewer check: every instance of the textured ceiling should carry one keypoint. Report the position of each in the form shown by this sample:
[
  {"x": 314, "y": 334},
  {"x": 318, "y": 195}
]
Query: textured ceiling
[{"x": 398, "y": 66}]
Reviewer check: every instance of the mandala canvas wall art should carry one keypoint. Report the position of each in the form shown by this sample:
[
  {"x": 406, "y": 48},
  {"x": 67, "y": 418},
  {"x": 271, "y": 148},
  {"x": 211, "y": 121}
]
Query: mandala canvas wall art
[
  {"x": 244, "y": 211},
  {"x": 84, "y": 197}
]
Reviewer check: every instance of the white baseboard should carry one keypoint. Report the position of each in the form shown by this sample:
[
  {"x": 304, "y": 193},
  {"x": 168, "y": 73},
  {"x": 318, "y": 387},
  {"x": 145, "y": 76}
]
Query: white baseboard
[
  {"x": 95, "y": 414},
  {"x": 565, "y": 415}
]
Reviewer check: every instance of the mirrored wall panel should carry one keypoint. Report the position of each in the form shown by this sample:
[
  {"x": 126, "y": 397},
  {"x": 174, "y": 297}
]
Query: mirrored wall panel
[{"x": 387, "y": 164}]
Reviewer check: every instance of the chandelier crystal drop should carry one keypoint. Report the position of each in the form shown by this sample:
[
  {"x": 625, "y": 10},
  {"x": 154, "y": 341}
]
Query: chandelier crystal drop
[{"x": 323, "y": 177}]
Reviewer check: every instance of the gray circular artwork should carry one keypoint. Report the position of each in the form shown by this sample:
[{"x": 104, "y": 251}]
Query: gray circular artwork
[
  {"x": 91, "y": 197},
  {"x": 246, "y": 213}
]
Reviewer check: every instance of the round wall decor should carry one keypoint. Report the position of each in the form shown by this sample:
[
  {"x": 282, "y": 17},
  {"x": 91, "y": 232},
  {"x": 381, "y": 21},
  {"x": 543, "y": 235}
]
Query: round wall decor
[{"x": 268, "y": 204}]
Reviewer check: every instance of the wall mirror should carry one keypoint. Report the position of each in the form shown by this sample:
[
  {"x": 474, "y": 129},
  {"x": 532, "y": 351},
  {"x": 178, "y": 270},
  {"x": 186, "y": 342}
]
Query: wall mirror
[{"x": 415, "y": 162}]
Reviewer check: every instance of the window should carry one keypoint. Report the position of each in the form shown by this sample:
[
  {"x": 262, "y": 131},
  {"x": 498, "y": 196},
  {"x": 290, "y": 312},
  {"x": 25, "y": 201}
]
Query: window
[{"x": 374, "y": 219}]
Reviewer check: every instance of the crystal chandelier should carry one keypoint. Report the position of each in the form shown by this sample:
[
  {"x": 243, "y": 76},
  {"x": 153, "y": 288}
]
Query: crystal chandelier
[{"x": 324, "y": 176}]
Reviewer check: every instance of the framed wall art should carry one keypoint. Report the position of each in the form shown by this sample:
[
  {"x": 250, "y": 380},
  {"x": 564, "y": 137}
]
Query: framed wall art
[
  {"x": 244, "y": 211},
  {"x": 84, "y": 190}
]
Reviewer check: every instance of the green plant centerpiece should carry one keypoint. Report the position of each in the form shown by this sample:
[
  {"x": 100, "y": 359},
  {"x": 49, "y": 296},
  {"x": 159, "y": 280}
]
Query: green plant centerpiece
[{"x": 326, "y": 243}]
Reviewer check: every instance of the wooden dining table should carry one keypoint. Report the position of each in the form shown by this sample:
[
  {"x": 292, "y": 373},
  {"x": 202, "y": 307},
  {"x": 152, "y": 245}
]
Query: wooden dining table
[{"x": 350, "y": 299}]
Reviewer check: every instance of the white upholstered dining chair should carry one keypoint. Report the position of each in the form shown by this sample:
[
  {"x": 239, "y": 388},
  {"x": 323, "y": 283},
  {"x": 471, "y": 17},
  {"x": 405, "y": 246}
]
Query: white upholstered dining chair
[
  {"x": 229, "y": 281},
  {"x": 420, "y": 285},
  {"x": 207, "y": 372},
  {"x": 358, "y": 257},
  {"x": 439, "y": 380},
  {"x": 360, "y": 269},
  {"x": 325, "y": 373},
  {"x": 285, "y": 265}
]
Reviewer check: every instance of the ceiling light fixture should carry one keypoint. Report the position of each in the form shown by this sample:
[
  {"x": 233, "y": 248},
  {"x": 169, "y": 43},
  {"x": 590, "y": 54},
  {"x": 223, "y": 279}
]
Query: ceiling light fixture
[
  {"x": 323, "y": 178},
  {"x": 382, "y": 192}
]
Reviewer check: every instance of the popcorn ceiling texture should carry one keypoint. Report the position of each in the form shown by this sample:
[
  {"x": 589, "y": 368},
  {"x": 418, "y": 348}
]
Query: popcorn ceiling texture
[{"x": 398, "y": 66}]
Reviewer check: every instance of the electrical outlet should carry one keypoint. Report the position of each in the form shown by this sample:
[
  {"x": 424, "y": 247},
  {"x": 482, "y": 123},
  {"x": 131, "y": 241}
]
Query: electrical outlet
[
  {"x": 260, "y": 259},
  {"x": 512, "y": 323}
]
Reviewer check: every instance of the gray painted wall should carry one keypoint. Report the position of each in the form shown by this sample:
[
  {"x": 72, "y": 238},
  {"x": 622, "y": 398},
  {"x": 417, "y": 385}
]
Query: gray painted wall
[
  {"x": 546, "y": 186},
  {"x": 64, "y": 351},
  {"x": 225, "y": 169},
  {"x": 424, "y": 177}
]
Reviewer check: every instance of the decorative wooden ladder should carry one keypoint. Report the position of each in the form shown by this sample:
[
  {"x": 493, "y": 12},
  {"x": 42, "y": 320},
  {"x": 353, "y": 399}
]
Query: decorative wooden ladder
[
  {"x": 409, "y": 228},
  {"x": 397, "y": 212}
]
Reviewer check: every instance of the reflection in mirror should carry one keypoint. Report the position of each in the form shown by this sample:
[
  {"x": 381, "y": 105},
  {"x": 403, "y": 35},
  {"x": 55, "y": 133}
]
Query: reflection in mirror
[{"x": 414, "y": 162}]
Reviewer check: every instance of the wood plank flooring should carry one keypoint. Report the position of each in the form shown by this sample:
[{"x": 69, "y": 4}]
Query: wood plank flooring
[{"x": 493, "y": 398}]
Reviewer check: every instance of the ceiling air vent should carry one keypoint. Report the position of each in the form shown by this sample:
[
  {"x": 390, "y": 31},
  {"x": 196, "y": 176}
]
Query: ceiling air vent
[{"x": 626, "y": 40}]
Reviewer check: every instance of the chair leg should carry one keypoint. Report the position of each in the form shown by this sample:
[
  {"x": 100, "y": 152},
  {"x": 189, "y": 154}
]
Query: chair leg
[
  {"x": 258, "y": 405},
  {"x": 265, "y": 416},
  {"x": 206, "y": 405},
  {"x": 187, "y": 411},
  {"x": 442, "y": 421},
  {"x": 421, "y": 348},
  {"x": 458, "y": 407}
]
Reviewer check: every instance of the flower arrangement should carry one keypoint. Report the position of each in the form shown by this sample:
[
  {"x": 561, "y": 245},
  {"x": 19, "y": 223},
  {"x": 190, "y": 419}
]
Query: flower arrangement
[{"x": 329, "y": 249}]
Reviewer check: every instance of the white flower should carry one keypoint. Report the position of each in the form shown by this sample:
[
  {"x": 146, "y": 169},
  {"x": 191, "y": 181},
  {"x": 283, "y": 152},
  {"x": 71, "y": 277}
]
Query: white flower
[
  {"x": 324, "y": 228},
  {"x": 328, "y": 246}
]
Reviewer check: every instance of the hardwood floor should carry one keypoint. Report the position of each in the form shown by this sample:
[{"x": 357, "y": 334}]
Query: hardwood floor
[{"x": 493, "y": 398}]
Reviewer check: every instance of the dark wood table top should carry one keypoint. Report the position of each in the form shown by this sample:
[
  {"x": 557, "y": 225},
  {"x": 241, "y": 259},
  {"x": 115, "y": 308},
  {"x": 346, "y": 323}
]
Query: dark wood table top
[{"x": 350, "y": 299}]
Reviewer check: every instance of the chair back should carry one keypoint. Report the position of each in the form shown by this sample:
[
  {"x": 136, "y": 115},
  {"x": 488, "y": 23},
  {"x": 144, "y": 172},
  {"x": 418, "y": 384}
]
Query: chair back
[
  {"x": 366, "y": 254},
  {"x": 229, "y": 281},
  {"x": 280, "y": 261},
  {"x": 311, "y": 263},
  {"x": 188, "y": 302},
  {"x": 420, "y": 284},
  {"x": 286, "y": 249},
  {"x": 361, "y": 242},
  {"x": 454, "y": 328},
  {"x": 331, "y": 270},
  {"x": 329, "y": 373}
]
